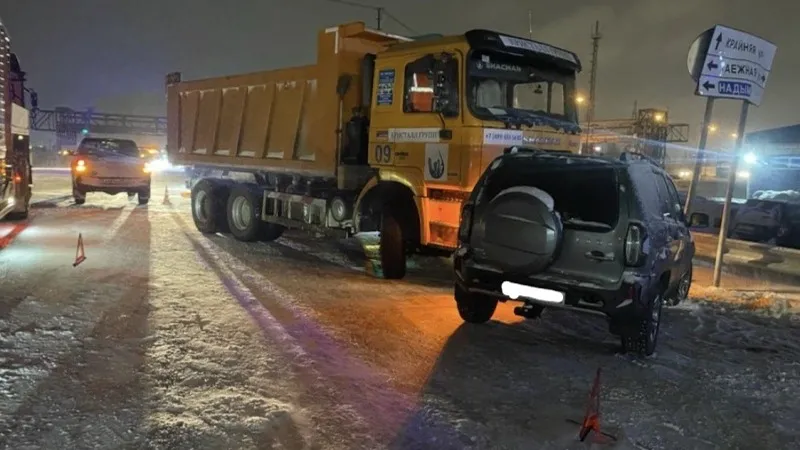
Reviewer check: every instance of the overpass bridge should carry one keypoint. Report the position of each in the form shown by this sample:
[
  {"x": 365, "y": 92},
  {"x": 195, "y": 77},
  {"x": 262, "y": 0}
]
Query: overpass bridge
[{"x": 69, "y": 124}]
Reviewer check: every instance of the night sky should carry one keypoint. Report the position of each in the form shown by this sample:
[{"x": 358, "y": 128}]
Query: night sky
[{"x": 114, "y": 54}]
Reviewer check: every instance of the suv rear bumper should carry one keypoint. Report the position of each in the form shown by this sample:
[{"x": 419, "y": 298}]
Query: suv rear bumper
[{"x": 622, "y": 299}]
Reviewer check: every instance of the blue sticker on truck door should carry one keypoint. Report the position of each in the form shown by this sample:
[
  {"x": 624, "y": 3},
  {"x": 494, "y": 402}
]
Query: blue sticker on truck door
[{"x": 385, "y": 87}]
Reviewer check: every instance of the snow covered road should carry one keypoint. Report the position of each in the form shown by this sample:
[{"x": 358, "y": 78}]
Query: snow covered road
[{"x": 164, "y": 338}]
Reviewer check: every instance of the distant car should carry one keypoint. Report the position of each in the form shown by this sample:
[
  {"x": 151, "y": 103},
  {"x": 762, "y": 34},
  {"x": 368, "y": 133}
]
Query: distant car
[
  {"x": 774, "y": 222},
  {"x": 582, "y": 233},
  {"x": 111, "y": 166}
]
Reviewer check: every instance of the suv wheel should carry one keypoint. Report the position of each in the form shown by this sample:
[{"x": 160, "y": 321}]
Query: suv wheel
[
  {"x": 79, "y": 195},
  {"x": 641, "y": 336},
  {"x": 682, "y": 290},
  {"x": 474, "y": 308}
]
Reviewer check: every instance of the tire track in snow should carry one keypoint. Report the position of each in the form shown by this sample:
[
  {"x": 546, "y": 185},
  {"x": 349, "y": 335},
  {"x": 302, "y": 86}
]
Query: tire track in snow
[
  {"x": 37, "y": 335},
  {"x": 379, "y": 408},
  {"x": 39, "y": 331}
]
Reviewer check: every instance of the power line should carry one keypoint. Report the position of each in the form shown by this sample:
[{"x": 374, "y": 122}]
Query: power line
[
  {"x": 399, "y": 22},
  {"x": 380, "y": 11}
]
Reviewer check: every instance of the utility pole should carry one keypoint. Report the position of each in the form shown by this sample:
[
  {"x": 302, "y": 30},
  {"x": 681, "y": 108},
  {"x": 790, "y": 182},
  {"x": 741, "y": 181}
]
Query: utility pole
[
  {"x": 379, "y": 10},
  {"x": 596, "y": 36},
  {"x": 530, "y": 24}
]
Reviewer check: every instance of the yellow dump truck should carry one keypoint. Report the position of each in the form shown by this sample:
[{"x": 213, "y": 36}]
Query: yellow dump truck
[{"x": 383, "y": 134}]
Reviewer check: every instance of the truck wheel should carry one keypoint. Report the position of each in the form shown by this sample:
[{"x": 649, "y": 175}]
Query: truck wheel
[
  {"x": 244, "y": 213},
  {"x": 474, "y": 308},
  {"x": 208, "y": 207},
  {"x": 144, "y": 196},
  {"x": 392, "y": 248},
  {"x": 641, "y": 335}
]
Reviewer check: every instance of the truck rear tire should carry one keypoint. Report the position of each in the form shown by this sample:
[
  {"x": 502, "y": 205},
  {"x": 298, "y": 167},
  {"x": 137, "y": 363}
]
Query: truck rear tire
[
  {"x": 244, "y": 213},
  {"x": 392, "y": 247},
  {"x": 209, "y": 207}
]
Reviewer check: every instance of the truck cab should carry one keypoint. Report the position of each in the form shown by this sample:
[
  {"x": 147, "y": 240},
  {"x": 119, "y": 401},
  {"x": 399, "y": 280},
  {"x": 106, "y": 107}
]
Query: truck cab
[
  {"x": 443, "y": 108},
  {"x": 16, "y": 176}
]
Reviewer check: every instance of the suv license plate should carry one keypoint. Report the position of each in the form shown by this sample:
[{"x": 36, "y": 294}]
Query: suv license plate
[{"x": 516, "y": 290}]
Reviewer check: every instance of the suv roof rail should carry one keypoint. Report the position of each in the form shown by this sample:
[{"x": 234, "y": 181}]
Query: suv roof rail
[
  {"x": 627, "y": 156},
  {"x": 518, "y": 149}
]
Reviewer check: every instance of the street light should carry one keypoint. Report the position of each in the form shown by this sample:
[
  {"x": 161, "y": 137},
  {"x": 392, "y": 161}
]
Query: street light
[
  {"x": 658, "y": 117},
  {"x": 580, "y": 99},
  {"x": 712, "y": 128},
  {"x": 734, "y": 135}
]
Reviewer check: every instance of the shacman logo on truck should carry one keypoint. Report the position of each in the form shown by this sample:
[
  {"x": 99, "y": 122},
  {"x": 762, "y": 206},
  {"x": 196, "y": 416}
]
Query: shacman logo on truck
[{"x": 501, "y": 67}]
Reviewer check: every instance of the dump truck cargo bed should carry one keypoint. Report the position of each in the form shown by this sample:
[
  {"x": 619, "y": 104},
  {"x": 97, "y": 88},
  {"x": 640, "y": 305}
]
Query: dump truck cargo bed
[{"x": 285, "y": 120}]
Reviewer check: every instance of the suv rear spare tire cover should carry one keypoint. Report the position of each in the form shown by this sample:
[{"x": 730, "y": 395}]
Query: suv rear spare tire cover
[{"x": 523, "y": 234}]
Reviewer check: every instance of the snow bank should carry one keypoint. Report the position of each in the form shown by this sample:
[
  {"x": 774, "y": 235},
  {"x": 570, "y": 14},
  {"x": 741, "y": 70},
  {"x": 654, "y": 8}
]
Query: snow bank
[{"x": 783, "y": 196}]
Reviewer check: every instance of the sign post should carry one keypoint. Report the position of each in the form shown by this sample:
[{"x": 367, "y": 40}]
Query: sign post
[
  {"x": 699, "y": 157},
  {"x": 731, "y": 64}
]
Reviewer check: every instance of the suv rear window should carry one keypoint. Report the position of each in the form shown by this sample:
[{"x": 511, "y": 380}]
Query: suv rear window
[
  {"x": 585, "y": 195},
  {"x": 101, "y": 147}
]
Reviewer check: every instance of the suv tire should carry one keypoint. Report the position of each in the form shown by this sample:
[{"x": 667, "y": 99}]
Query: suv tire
[
  {"x": 144, "y": 196},
  {"x": 640, "y": 336},
  {"x": 392, "y": 247},
  {"x": 474, "y": 308},
  {"x": 682, "y": 289},
  {"x": 78, "y": 194}
]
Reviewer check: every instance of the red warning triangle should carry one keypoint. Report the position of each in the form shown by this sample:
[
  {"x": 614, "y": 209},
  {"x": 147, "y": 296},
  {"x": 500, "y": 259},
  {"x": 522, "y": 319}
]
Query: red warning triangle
[
  {"x": 591, "y": 421},
  {"x": 80, "y": 254}
]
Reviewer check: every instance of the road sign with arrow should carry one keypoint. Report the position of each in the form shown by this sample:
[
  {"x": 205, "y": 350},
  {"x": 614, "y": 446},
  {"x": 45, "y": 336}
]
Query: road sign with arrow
[{"x": 728, "y": 63}]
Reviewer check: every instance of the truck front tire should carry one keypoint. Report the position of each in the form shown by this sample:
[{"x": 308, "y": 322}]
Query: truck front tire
[{"x": 392, "y": 247}]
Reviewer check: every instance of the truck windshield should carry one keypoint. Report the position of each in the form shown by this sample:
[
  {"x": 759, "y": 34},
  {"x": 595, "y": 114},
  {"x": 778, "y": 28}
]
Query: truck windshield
[
  {"x": 108, "y": 147},
  {"x": 512, "y": 90}
]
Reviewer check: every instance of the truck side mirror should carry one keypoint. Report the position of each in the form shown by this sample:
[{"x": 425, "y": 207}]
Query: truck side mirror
[
  {"x": 343, "y": 84},
  {"x": 443, "y": 82}
]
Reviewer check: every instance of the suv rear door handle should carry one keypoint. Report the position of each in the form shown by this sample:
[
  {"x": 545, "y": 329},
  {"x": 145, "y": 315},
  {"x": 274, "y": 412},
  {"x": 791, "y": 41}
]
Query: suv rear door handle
[{"x": 597, "y": 255}]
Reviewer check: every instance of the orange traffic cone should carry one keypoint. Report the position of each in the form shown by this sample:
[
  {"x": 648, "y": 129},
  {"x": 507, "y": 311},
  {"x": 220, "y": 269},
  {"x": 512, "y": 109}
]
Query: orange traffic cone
[
  {"x": 591, "y": 421},
  {"x": 166, "y": 195},
  {"x": 80, "y": 254}
]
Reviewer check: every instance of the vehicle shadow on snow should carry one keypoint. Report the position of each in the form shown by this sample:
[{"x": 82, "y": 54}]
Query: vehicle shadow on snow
[
  {"x": 520, "y": 384},
  {"x": 94, "y": 397},
  {"x": 424, "y": 270}
]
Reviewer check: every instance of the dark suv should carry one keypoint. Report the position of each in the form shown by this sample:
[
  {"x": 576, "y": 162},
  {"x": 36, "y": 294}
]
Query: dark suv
[{"x": 592, "y": 234}]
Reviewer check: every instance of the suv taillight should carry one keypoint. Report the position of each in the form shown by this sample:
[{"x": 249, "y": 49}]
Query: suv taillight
[
  {"x": 465, "y": 225},
  {"x": 634, "y": 246}
]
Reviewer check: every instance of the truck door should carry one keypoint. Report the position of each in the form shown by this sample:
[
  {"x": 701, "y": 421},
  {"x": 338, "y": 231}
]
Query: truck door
[{"x": 431, "y": 112}]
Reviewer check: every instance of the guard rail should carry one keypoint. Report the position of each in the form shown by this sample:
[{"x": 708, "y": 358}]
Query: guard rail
[{"x": 762, "y": 261}]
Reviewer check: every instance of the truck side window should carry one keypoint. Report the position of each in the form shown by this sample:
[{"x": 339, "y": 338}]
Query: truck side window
[{"x": 419, "y": 88}]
